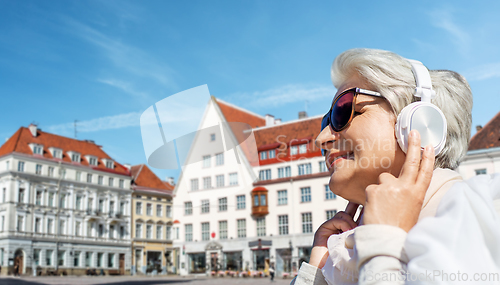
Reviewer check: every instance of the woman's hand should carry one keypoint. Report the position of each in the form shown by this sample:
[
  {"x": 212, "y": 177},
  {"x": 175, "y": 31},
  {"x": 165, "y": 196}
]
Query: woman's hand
[
  {"x": 341, "y": 222},
  {"x": 398, "y": 201}
]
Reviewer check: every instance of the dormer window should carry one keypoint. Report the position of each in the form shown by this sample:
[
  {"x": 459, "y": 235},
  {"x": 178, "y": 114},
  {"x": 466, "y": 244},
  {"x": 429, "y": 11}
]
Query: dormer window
[
  {"x": 37, "y": 148},
  {"x": 91, "y": 159},
  {"x": 109, "y": 163},
  {"x": 56, "y": 152},
  {"x": 75, "y": 156}
]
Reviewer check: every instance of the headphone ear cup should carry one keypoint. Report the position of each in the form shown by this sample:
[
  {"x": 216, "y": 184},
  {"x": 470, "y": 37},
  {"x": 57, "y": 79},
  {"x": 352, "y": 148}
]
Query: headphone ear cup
[{"x": 428, "y": 120}]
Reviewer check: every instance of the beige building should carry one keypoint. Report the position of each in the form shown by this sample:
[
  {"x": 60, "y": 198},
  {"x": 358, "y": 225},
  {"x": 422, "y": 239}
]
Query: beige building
[{"x": 151, "y": 222}]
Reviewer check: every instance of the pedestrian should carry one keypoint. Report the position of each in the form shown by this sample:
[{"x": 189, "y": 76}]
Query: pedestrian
[
  {"x": 271, "y": 272},
  {"x": 16, "y": 270}
]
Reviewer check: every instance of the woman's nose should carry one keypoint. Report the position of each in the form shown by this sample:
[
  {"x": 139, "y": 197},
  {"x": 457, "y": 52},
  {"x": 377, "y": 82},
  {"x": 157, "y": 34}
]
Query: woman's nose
[{"x": 325, "y": 137}]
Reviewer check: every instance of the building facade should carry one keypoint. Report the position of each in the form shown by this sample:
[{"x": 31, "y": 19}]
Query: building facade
[
  {"x": 152, "y": 250},
  {"x": 64, "y": 206},
  {"x": 244, "y": 208}
]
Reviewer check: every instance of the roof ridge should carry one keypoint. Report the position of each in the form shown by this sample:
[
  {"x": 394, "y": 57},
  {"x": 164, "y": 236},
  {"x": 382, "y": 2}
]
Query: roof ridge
[
  {"x": 287, "y": 123},
  {"x": 139, "y": 172},
  {"x": 485, "y": 126},
  {"x": 238, "y": 108}
]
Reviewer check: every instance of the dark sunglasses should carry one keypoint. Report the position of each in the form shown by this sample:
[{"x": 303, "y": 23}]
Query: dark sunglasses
[{"x": 342, "y": 111}]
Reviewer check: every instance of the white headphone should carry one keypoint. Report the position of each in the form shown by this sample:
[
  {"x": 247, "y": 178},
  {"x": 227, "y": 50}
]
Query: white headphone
[{"x": 422, "y": 116}]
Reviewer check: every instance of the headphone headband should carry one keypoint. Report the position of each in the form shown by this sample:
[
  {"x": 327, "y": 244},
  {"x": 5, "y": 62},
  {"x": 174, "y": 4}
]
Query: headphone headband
[{"x": 423, "y": 80}]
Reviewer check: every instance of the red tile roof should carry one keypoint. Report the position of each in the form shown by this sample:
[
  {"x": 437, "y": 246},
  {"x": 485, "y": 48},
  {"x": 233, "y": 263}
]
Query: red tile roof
[
  {"x": 144, "y": 179},
  {"x": 236, "y": 114},
  {"x": 488, "y": 136},
  {"x": 19, "y": 143}
]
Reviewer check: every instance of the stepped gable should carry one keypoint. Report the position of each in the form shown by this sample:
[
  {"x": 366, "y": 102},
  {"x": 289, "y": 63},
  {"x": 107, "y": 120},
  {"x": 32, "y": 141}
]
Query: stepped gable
[
  {"x": 488, "y": 136},
  {"x": 145, "y": 179},
  {"x": 19, "y": 143}
]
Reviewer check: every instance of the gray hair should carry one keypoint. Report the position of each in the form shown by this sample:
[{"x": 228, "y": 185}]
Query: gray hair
[{"x": 391, "y": 75}]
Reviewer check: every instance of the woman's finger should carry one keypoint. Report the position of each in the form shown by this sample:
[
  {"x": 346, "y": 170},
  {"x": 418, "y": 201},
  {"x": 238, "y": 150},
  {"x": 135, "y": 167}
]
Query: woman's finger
[
  {"x": 345, "y": 217},
  {"x": 426, "y": 169},
  {"x": 410, "y": 168},
  {"x": 351, "y": 209}
]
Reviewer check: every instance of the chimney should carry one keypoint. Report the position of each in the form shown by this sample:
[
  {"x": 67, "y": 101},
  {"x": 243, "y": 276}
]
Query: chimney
[
  {"x": 33, "y": 129},
  {"x": 127, "y": 166},
  {"x": 277, "y": 121},
  {"x": 478, "y": 128},
  {"x": 170, "y": 180},
  {"x": 269, "y": 120},
  {"x": 302, "y": 115}
]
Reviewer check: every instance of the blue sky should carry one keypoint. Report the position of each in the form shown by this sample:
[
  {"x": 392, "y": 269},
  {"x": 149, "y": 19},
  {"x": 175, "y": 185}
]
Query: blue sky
[{"x": 104, "y": 62}]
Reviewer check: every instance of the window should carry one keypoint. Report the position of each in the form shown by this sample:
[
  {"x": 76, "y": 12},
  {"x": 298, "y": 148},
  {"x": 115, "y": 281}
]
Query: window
[
  {"x": 207, "y": 182},
  {"x": 480, "y": 171},
  {"x": 38, "y": 169},
  {"x": 305, "y": 169},
  {"x": 138, "y": 230},
  {"x": 88, "y": 259},
  {"x": 62, "y": 173},
  {"x": 101, "y": 205},
  {"x": 169, "y": 211},
  {"x": 261, "y": 227},
  {"x": 233, "y": 179},
  {"x": 188, "y": 208},
  {"x": 111, "y": 209},
  {"x": 205, "y": 231},
  {"x": 219, "y": 159},
  {"x": 51, "y": 171},
  {"x": 159, "y": 230},
  {"x": 242, "y": 228},
  {"x": 293, "y": 150},
  {"x": 20, "y": 223},
  {"x": 36, "y": 256},
  {"x": 122, "y": 232},
  {"x": 110, "y": 182},
  {"x": 120, "y": 183},
  {"x": 50, "y": 226},
  {"x": 38, "y": 224},
  {"x": 60, "y": 257},
  {"x": 7, "y": 165},
  {"x": 205, "y": 206},
  {"x": 256, "y": 200},
  {"x": 222, "y": 204},
  {"x": 149, "y": 231},
  {"x": 38, "y": 198},
  {"x": 263, "y": 201},
  {"x": 322, "y": 166},
  {"x": 189, "y": 232},
  {"x": 206, "y": 161},
  {"x": 100, "y": 259},
  {"x": 89, "y": 178},
  {"x": 169, "y": 233},
  {"x": 272, "y": 153},
  {"x": 100, "y": 230},
  {"x": 76, "y": 258},
  {"x": 99, "y": 179},
  {"x": 78, "y": 176},
  {"x": 282, "y": 197},
  {"x": 75, "y": 157},
  {"x": 93, "y": 161},
  {"x": 284, "y": 172},
  {"x": 109, "y": 164},
  {"x": 330, "y": 214},
  {"x": 222, "y": 229},
  {"x": 306, "y": 223},
  {"x": 158, "y": 210},
  {"x": 77, "y": 228},
  {"x": 212, "y": 137},
  {"x": 4, "y": 193},
  {"x": 303, "y": 148},
  {"x": 48, "y": 257},
  {"x": 194, "y": 184},
  {"x": 149, "y": 209},
  {"x": 78, "y": 202},
  {"x": 57, "y": 153},
  {"x": 37, "y": 149},
  {"x": 329, "y": 195},
  {"x": 283, "y": 225},
  {"x": 20, "y": 166},
  {"x": 138, "y": 208},
  {"x": 122, "y": 208},
  {"x": 2, "y": 225},
  {"x": 240, "y": 202},
  {"x": 305, "y": 194},
  {"x": 62, "y": 201},
  {"x": 219, "y": 180},
  {"x": 51, "y": 199},
  {"x": 263, "y": 155},
  {"x": 265, "y": 174}
]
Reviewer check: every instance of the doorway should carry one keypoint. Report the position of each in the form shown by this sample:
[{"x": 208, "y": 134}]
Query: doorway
[
  {"x": 19, "y": 261},
  {"x": 121, "y": 264}
]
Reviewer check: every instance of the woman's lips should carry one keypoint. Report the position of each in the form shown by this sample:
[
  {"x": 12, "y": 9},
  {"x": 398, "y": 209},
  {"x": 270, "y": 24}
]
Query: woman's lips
[{"x": 338, "y": 159}]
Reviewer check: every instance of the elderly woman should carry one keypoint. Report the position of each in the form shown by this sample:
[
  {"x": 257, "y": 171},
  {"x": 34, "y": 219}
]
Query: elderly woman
[{"x": 400, "y": 190}]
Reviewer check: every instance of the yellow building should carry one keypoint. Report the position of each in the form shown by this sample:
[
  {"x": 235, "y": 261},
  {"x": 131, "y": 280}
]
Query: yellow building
[{"x": 151, "y": 232}]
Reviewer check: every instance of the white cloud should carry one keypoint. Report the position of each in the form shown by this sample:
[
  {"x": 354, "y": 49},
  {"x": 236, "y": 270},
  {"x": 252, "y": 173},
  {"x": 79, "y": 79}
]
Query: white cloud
[
  {"x": 126, "y": 87},
  {"x": 482, "y": 72},
  {"x": 442, "y": 18},
  {"x": 290, "y": 93}
]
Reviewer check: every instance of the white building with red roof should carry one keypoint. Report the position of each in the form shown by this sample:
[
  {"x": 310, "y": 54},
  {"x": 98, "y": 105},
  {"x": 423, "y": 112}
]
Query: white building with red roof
[
  {"x": 242, "y": 208},
  {"x": 64, "y": 205}
]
